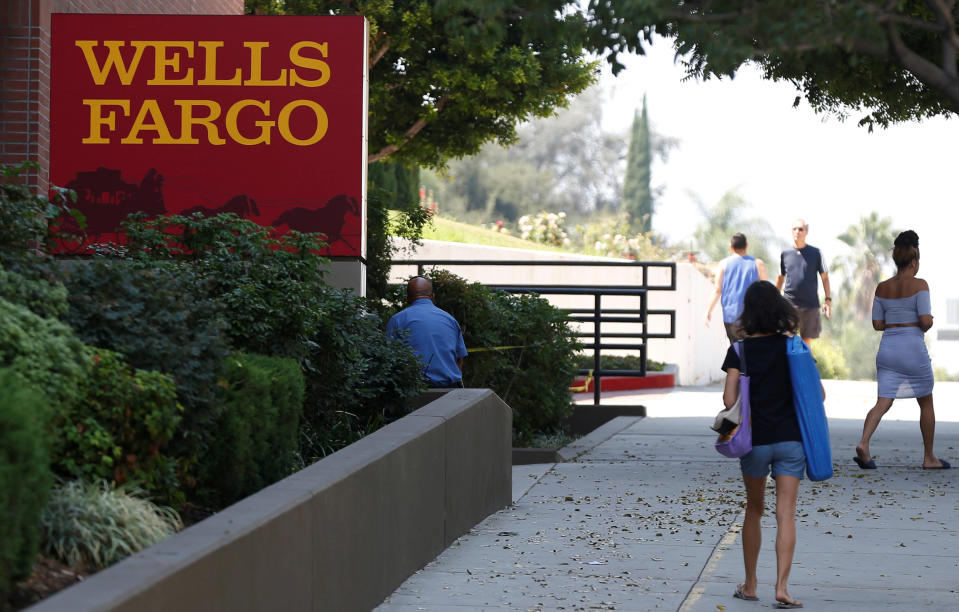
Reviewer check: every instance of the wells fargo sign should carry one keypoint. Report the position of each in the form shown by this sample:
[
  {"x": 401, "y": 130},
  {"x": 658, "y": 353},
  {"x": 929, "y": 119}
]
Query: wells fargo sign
[{"x": 261, "y": 116}]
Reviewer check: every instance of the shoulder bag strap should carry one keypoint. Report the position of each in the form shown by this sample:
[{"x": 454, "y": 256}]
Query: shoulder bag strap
[{"x": 740, "y": 347}]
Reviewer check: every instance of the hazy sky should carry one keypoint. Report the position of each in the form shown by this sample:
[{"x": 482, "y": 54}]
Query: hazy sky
[{"x": 790, "y": 162}]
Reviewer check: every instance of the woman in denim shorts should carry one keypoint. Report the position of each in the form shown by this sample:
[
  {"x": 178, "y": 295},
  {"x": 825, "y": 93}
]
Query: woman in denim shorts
[{"x": 767, "y": 320}]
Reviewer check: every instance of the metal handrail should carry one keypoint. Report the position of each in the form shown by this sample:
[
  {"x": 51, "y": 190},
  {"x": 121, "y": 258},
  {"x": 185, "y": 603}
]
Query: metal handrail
[{"x": 595, "y": 315}]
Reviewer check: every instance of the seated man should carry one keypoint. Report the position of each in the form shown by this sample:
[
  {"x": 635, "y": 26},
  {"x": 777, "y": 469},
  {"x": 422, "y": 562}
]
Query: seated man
[{"x": 433, "y": 334}]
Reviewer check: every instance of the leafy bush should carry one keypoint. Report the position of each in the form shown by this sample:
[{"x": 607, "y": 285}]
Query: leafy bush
[
  {"x": 274, "y": 301},
  {"x": 90, "y": 526},
  {"x": 270, "y": 294},
  {"x": 265, "y": 286},
  {"x": 857, "y": 341},
  {"x": 357, "y": 378},
  {"x": 829, "y": 359},
  {"x": 44, "y": 298},
  {"x": 157, "y": 321},
  {"x": 43, "y": 351},
  {"x": 533, "y": 378},
  {"x": 256, "y": 440},
  {"x": 119, "y": 429},
  {"x": 28, "y": 222},
  {"x": 611, "y": 237},
  {"x": 24, "y": 476},
  {"x": 545, "y": 228}
]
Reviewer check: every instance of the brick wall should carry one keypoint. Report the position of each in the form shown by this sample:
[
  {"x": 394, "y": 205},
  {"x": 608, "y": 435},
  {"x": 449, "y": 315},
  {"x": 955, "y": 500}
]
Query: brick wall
[{"x": 25, "y": 66}]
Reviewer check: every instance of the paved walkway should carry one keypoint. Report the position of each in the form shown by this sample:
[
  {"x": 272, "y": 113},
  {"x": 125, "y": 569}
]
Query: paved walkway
[{"x": 647, "y": 517}]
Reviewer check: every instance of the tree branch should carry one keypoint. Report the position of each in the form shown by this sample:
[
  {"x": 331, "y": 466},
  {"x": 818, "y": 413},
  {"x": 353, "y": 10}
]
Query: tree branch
[
  {"x": 413, "y": 130},
  {"x": 381, "y": 49},
  {"x": 927, "y": 72},
  {"x": 950, "y": 41}
]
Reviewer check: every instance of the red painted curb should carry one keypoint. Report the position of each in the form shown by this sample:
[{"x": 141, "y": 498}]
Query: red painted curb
[{"x": 655, "y": 380}]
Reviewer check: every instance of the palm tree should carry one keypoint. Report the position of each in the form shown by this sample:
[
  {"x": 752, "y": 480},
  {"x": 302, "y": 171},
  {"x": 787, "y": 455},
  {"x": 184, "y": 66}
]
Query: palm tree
[
  {"x": 862, "y": 269},
  {"x": 728, "y": 217}
]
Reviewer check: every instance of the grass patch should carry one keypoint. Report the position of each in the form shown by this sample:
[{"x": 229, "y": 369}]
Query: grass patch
[{"x": 448, "y": 230}]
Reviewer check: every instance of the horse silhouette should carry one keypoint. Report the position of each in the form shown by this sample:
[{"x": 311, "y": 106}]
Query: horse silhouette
[
  {"x": 241, "y": 205},
  {"x": 329, "y": 219}
]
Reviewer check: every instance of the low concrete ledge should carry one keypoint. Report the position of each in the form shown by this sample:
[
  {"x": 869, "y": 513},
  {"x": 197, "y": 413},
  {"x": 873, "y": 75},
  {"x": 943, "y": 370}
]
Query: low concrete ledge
[{"x": 339, "y": 535}]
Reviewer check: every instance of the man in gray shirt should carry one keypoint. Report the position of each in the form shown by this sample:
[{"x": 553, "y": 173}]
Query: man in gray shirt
[{"x": 797, "y": 268}]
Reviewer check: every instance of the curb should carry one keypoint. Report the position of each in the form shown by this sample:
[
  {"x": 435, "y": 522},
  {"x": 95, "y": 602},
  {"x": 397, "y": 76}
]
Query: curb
[{"x": 653, "y": 380}]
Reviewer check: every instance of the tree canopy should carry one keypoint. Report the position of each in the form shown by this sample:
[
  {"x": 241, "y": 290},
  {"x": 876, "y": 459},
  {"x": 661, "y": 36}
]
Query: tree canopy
[
  {"x": 448, "y": 76},
  {"x": 893, "y": 61}
]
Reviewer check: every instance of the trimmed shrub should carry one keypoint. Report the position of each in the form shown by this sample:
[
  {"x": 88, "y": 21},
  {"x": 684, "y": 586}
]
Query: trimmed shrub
[
  {"x": 533, "y": 378},
  {"x": 25, "y": 476},
  {"x": 90, "y": 526},
  {"x": 120, "y": 428},
  {"x": 43, "y": 351},
  {"x": 256, "y": 441}
]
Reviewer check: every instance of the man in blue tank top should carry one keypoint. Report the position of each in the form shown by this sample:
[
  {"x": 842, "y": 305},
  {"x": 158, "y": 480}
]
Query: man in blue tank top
[
  {"x": 798, "y": 267},
  {"x": 733, "y": 276}
]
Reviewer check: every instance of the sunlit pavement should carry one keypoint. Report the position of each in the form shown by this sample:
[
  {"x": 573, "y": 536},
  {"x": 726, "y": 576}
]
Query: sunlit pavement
[{"x": 648, "y": 518}]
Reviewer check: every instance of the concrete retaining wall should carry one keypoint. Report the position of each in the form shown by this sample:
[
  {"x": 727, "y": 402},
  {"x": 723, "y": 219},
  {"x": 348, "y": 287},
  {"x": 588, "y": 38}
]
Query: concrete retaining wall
[{"x": 339, "y": 535}]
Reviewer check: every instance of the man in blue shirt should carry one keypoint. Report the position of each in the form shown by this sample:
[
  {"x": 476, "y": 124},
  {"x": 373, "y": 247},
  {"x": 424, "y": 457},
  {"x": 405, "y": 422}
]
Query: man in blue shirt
[
  {"x": 798, "y": 267},
  {"x": 432, "y": 333},
  {"x": 733, "y": 276}
]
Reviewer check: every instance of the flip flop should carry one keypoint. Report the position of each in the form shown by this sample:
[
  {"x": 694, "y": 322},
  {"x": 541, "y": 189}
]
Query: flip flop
[
  {"x": 740, "y": 595},
  {"x": 868, "y": 465},
  {"x": 792, "y": 605},
  {"x": 945, "y": 466}
]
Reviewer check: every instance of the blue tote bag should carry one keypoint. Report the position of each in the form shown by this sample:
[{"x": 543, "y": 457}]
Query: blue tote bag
[{"x": 807, "y": 398}]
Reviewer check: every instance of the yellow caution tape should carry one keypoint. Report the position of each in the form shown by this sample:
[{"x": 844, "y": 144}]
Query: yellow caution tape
[
  {"x": 585, "y": 386},
  {"x": 480, "y": 349}
]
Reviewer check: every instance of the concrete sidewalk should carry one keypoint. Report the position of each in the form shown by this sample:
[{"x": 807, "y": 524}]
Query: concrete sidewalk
[{"x": 647, "y": 517}]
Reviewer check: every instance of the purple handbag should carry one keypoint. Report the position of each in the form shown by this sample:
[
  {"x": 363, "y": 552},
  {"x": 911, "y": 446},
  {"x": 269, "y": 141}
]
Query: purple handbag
[{"x": 739, "y": 441}]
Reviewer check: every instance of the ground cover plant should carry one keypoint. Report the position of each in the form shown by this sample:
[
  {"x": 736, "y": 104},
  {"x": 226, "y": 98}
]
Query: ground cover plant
[{"x": 93, "y": 525}]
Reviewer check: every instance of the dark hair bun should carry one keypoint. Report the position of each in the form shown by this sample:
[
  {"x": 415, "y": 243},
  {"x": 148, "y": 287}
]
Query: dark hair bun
[{"x": 907, "y": 238}]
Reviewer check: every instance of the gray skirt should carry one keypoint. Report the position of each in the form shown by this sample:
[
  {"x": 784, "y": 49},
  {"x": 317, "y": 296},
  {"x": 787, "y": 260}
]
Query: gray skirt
[{"x": 903, "y": 368}]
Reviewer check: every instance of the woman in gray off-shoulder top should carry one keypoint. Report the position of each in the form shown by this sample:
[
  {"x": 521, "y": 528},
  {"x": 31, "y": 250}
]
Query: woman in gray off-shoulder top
[{"x": 902, "y": 312}]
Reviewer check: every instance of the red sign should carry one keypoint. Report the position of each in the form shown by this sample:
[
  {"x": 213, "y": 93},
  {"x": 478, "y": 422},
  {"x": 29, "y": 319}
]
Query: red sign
[{"x": 261, "y": 116}]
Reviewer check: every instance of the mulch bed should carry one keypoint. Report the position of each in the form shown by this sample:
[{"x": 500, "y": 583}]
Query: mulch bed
[{"x": 49, "y": 575}]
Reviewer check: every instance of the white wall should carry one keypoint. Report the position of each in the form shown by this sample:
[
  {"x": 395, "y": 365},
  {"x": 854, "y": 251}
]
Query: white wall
[{"x": 698, "y": 351}]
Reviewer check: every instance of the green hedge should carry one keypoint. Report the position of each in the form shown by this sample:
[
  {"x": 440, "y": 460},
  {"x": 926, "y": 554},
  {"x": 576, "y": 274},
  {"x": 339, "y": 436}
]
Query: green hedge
[
  {"x": 120, "y": 428},
  {"x": 256, "y": 434},
  {"x": 534, "y": 377},
  {"x": 25, "y": 476}
]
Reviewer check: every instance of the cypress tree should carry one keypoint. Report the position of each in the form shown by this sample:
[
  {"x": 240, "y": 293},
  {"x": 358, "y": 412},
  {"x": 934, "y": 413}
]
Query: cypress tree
[{"x": 637, "y": 194}]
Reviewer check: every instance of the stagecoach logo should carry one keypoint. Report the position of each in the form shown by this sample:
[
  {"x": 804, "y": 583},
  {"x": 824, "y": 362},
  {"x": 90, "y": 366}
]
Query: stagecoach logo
[{"x": 267, "y": 120}]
